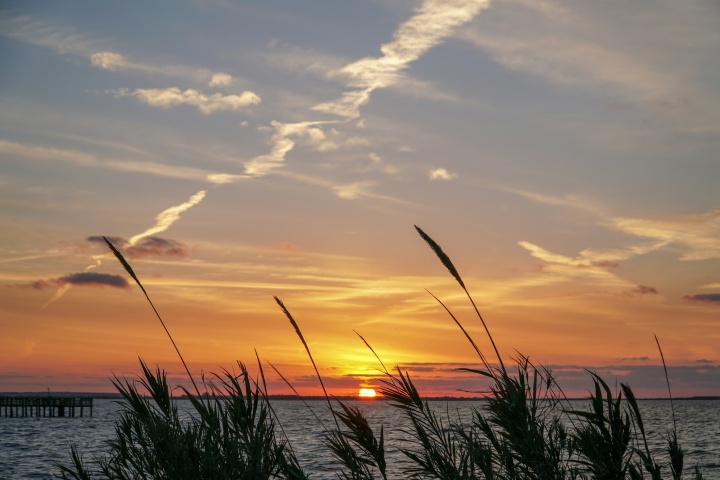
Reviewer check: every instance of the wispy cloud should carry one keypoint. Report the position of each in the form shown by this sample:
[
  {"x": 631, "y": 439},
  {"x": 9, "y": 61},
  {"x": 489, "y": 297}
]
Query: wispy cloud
[
  {"x": 116, "y": 62},
  {"x": 109, "y": 61},
  {"x": 88, "y": 160},
  {"x": 704, "y": 297},
  {"x": 206, "y": 104},
  {"x": 698, "y": 233},
  {"x": 603, "y": 52},
  {"x": 354, "y": 190},
  {"x": 296, "y": 59},
  {"x": 644, "y": 290},
  {"x": 82, "y": 279},
  {"x": 150, "y": 246},
  {"x": 434, "y": 21},
  {"x": 564, "y": 45},
  {"x": 221, "y": 79},
  {"x": 440, "y": 174},
  {"x": 43, "y": 34},
  {"x": 94, "y": 279},
  {"x": 142, "y": 243},
  {"x": 283, "y": 141},
  {"x": 428, "y": 27},
  {"x": 68, "y": 41},
  {"x": 167, "y": 218}
]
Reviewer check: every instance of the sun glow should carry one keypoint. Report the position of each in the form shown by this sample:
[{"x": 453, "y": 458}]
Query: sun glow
[{"x": 367, "y": 393}]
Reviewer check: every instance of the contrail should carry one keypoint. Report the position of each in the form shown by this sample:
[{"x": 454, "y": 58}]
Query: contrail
[
  {"x": 167, "y": 217},
  {"x": 163, "y": 221},
  {"x": 431, "y": 24},
  {"x": 434, "y": 21}
]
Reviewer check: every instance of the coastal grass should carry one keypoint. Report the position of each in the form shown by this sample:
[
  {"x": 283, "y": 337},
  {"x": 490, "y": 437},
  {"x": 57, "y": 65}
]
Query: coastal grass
[{"x": 525, "y": 428}]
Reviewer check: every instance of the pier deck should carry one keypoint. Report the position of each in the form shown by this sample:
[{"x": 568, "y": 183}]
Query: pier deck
[{"x": 44, "y": 406}]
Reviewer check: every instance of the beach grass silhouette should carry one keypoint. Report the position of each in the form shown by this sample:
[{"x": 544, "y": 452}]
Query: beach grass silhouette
[{"x": 525, "y": 429}]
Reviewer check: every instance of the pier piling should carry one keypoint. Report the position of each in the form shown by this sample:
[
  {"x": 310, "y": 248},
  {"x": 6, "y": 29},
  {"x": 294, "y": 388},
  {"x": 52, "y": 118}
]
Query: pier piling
[{"x": 44, "y": 406}]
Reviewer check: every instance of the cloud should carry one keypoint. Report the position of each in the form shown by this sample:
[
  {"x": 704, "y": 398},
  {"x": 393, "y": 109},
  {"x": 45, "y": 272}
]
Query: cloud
[
  {"x": 431, "y": 24},
  {"x": 220, "y": 79},
  {"x": 108, "y": 61},
  {"x": 568, "y": 46},
  {"x": 704, "y": 297},
  {"x": 37, "y": 285},
  {"x": 623, "y": 54},
  {"x": 167, "y": 217},
  {"x": 561, "y": 268},
  {"x": 644, "y": 290},
  {"x": 290, "y": 247},
  {"x": 117, "y": 242},
  {"x": 163, "y": 221},
  {"x": 606, "y": 264},
  {"x": 83, "y": 159},
  {"x": 44, "y": 34},
  {"x": 352, "y": 191},
  {"x": 377, "y": 164},
  {"x": 704, "y": 360},
  {"x": 146, "y": 247},
  {"x": 156, "y": 247},
  {"x": 68, "y": 41},
  {"x": 206, "y": 104},
  {"x": 283, "y": 141},
  {"x": 82, "y": 279},
  {"x": 440, "y": 174},
  {"x": 93, "y": 279},
  {"x": 699, "y": 233},
  {"x": 116, "y": 62}
]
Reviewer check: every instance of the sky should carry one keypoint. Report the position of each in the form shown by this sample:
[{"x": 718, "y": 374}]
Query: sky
[{"x": 563, "y": 154}]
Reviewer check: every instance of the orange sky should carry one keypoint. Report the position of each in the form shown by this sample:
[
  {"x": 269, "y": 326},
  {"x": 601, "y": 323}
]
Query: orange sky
[{"x": 565, "y": 160}]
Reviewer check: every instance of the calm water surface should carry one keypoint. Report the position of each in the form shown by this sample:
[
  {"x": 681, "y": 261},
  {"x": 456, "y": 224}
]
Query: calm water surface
[{"x": 31, "y": 447}]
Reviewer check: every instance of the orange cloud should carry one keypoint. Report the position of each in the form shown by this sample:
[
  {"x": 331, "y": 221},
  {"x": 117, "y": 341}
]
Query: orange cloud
[{"x": 290, "y": 247}]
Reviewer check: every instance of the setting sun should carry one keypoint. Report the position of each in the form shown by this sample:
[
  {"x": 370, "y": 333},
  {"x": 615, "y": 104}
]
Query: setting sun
[{"x": 367, "y": 393}]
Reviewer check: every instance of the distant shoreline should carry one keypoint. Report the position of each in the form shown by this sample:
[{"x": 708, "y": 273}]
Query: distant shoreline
[{"x": 115, "y": 396}]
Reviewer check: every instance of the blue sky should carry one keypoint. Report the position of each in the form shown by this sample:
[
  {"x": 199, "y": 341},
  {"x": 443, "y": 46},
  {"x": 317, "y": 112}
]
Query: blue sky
[{"x": 564, "y": 154}]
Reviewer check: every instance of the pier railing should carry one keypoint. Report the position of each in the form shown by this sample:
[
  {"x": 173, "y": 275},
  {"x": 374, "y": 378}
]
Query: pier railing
[{"x": 45, "y": 406}]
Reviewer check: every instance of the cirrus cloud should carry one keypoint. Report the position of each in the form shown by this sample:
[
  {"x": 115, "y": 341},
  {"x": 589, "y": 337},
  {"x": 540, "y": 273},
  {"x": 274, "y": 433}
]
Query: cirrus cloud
[
  {"x": 108, "y": 61},
  {"x": 150, "y": 246},
  {"x": 206, "y": 104},
  {"x": 80, "y": 279},
  {"x": 440, "y": 174},
  {"x": 704, "y": 297}
]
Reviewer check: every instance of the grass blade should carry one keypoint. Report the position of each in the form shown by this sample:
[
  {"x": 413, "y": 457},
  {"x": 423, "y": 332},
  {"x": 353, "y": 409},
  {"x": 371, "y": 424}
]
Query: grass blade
[
  {"x": 307, "y": 349},
  {"x": 453, "y": 271},
  {"x": 130, "y": 271}
]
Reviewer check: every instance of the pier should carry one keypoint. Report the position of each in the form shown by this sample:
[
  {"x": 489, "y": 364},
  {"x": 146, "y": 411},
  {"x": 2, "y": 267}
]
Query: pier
[{"x": 45, "y": 406}]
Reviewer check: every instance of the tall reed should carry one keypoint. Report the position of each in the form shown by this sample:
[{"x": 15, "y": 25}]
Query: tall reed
[{"x": 525, "y": 428}]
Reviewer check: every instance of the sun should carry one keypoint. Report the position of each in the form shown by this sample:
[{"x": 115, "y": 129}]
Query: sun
[{"x": 367, "y": 393}]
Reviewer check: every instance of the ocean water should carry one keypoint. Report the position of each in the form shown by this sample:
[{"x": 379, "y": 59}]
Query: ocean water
[{"x": 31, "y": 448}]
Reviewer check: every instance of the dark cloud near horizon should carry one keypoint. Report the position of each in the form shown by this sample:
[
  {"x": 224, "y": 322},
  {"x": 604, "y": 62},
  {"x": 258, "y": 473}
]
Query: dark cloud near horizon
[
  {"x": 704, "y": 297},
  {"x": 37, "y": 285},
  {"x": 704, "y": 360},
  {"x": 117, "y": 242},
  {"x": 80, "y": 279},
  {"x": 94, "y": 279},
  {"x": 641, "y": 290},
  {"x": 145, "y": 247}
]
